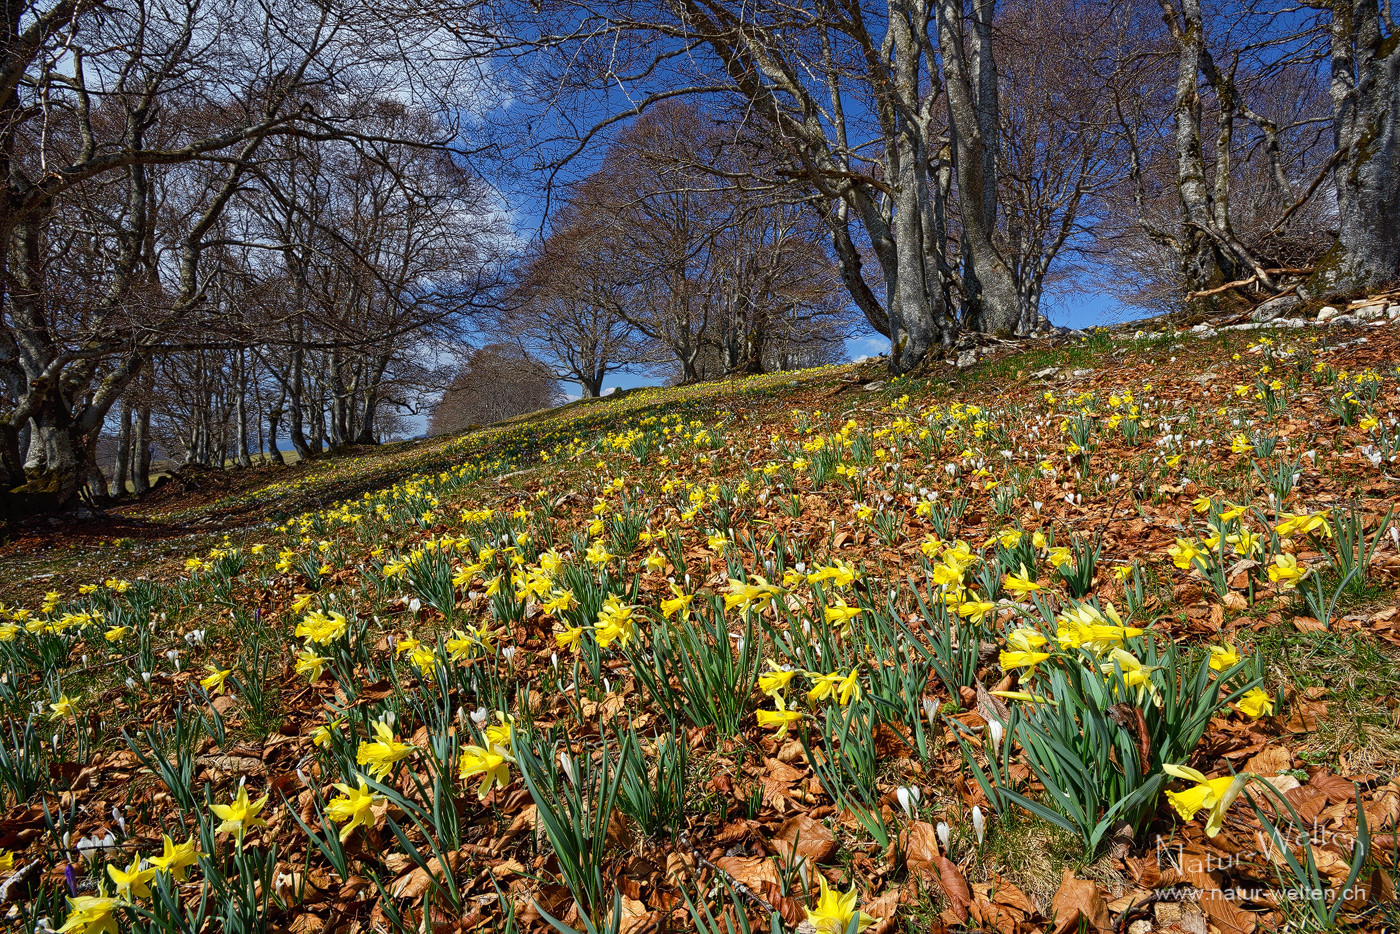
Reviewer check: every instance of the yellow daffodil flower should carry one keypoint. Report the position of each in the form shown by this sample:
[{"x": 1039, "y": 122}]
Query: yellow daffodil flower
[
  {"x": 214, "y": 681},
  {"x": 353, "y": 808},
  {"x": 133, "y": 882},
  {"x": 782, "y": 718},
  {"x": 839, "y": 614},
  {"x": 175, "y": 858},
  {"x": 843, "y": 688},
  {"x": 63, "y": 709},
  {"x": 311, "y": 665},
  {"x": 776, "y": 679},
  {"x": 1217, "y": 794},
  {"x": 747, "y": 597},
  {"x": 492, "y": 764},
  {"x": 679, "y": 602},
  {"x": 91, "y": 914},
  {"x": 1185, "y": 552},
  {"x": 569, "y": 638},
  {"x": 1223, "y": 657},
  {"x": 835, "y": 911},
  {"x": 1020, "y": 583},
  {"x": 1286, "y": 572},
  {"x": 241, "y": 815},
  {"x": 615, "y": 623},
  {"x": 1256, "y": 703},
  {"x": 1017, "y": 659},
  {"x": 383, "y": 752}
]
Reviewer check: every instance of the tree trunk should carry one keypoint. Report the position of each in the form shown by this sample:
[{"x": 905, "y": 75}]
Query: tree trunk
[
  {"x": 121, "y": 467},
  {"x": 141, "y": 449},
  {"x": 917, "y": 315},
  {"x": 59, "y": 481},
  {"x": 1365, "y": 91},
  {"x": 366, "y": 432},
  {"x": 317, "y": 411},
  {"x": 274, "y": 417},
  {"x": 96, "y": 479},
  {"x": 336, "y": 419},
  {"x": 240, "y": 409},
  {"x": 993, "y": 302},
  {"x": 1205, "y": 262},
  {"x": 295, "y": 411},
  {"x": 12, "y": 448},
  {"x": 850, "y": 262}
]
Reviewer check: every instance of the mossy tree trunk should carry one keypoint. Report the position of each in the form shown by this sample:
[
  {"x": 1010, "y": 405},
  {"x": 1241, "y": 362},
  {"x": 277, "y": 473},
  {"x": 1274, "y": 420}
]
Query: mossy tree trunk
[{"x": 1365, "y": 91}]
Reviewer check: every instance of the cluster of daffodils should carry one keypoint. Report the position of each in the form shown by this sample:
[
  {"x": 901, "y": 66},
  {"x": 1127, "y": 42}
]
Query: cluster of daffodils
[
  {"x": 97, "y": 914},
  {"x": 1230, "y": 533},
  {"x": 836, "y": 686}
]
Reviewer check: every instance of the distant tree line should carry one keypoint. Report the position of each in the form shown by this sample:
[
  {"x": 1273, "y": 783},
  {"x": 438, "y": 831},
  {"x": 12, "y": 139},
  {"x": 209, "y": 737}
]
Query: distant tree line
[{"x": 229, "y": 228}]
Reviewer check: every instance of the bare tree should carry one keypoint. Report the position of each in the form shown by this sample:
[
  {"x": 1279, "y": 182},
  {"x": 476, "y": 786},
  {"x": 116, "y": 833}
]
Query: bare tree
[
  {"x": 677, "y": 246},
  {"x": 121, "y": 118},
  {"x": 99, "y": 93},
  {"x": 566, "y": 309},
  {"x": 1058, "y": 151},
  {"x": 494, "y": 382}
]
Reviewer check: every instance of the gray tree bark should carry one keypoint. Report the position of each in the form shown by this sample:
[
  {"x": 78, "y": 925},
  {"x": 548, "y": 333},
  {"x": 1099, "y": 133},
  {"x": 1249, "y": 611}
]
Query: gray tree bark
[
  {"x": 1365, "y": 91},
  {"x": 240, "y": 454},
  {"x": 121, "y": 468},
  {"x": 993, "y": 299}
]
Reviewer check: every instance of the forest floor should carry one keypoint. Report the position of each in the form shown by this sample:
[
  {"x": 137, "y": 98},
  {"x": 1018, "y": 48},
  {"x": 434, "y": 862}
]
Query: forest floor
[{"x": 1092, "y": 634}]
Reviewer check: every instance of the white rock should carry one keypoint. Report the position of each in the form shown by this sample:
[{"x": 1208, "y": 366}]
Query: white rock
[
  {"x": 1326, "y": 313},
  {"x": 1275, "y": 307}
]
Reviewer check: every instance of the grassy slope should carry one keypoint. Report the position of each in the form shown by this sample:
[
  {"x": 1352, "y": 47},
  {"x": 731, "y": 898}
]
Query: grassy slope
[{"x": 1351, "y": 669}]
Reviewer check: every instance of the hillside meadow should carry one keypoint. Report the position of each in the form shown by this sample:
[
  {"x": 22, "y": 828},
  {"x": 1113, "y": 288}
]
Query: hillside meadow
[{"x": 1096, "y": 634}]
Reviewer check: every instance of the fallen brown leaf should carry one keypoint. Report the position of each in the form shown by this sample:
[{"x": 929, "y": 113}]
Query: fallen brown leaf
[{"x": 1078, "y": 899}]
